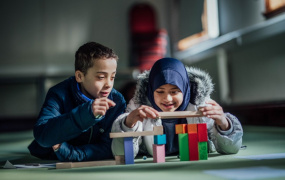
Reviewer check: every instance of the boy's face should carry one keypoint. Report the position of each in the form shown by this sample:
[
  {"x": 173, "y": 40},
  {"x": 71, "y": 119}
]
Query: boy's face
[
  {"x": 168, "y": 97},
  {"x": 99, "y": 79}
]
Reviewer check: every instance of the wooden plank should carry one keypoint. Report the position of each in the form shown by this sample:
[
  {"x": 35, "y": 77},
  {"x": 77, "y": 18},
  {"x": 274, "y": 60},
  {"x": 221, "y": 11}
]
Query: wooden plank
[
  {"x": 180, "y": 114},
  {"x": 69, "y": 165},
  {"x": 157, "y": 130}
]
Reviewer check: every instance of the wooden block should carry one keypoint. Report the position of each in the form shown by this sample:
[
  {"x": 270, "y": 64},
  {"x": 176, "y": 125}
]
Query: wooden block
[
  {"x": 129, "y": 150},
  {"x": 69, "y": 165},
  {"x": 191, "y": 128},
  {"x": 202, "y": 132},
  {"x": 159, "y": 139},
  {"x": 157, "y": 130},
  {"x": 193, "y": 146},
  {"x": 203, "y": 150},
  {"x": 120, "y": 160},
  {"x": 158, "y": 153},
  {"x": 180, "y": 128},
  {"x": 180, "y": 114},
  {"x": 183, "y": 147}
]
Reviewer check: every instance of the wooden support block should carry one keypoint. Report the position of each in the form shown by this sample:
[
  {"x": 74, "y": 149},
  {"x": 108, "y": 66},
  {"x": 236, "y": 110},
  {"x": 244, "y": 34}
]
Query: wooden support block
[
  {"x": 129, "y": 150},
  {"x": 159, "y": 139},
  {"x": 203, "y": 150},
  {"x": 191, "y": 128},
  {"x": 69, "y": 165},
  {"x": 183, "y": 147},
  {"x": 202, "y": 132},
  {"x": 158, "y": 153},
  {"x": 120, "y": 160},
  {"x": 181, "y": 128},
  {"x": 193, "y": 146},
  {"x": 157, "y": 130},
  {"x": 180, "y": 114}
]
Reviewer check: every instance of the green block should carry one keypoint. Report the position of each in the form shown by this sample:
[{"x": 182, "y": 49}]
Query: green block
[
  {"x": 203, "y": 150},
  {"x": 183, "y": 147}
]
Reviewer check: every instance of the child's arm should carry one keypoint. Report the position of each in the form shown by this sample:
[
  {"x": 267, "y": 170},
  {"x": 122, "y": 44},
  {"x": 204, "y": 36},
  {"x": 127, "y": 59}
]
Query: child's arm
[
  {"x": 215, "y": 112},
  {"x": 140, "y": 114},
  {"x": 54, "y": 126},
  {"x": 226, "y": 131},
  {"x": 119, "y": 125}
]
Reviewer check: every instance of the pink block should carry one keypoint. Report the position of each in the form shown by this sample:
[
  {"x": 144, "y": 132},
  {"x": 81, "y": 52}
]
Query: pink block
[{"x": 158, "y": 153}]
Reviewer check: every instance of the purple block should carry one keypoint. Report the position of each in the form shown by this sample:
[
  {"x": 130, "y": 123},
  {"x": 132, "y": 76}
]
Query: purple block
[{"x": 129, "y": 150}]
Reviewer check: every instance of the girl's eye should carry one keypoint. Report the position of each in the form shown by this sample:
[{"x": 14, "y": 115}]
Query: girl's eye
[
  {"x": 159, "y": 92},
  {"x": 112, "y": 78},
  {"x": 101, "y": 77},
  {"x": 175, "y": 92}
]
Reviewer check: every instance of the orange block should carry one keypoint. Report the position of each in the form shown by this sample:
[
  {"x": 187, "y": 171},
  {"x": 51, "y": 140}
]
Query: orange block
[
  {"x": 180, "y": 128},
  {"x": 192, "y": 128}
]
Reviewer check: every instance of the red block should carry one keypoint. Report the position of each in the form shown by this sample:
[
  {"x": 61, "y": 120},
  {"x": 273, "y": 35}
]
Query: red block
[
  {"x": 193, "y": 146},
  {"x": 202, "y": 132}
]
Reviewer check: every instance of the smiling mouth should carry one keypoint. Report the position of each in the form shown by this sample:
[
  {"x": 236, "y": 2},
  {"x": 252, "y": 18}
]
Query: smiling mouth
[
  {"x": 168, "y": 105},
  {"x": 104, "y": 94}
]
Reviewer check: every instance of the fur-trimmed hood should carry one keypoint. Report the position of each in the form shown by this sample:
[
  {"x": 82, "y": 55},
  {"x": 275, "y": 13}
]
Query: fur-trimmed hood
[{"x": 200, "y": 82}]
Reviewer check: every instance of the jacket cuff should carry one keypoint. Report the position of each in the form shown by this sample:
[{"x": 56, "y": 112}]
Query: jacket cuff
[
  {"x": 127, "y": 129},
  {"x": 227, "y": 132},
  {"x": 61, "y": 150}
]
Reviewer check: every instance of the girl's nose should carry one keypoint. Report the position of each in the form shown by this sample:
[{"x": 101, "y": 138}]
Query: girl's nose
[{"x": 168, "y": 97}]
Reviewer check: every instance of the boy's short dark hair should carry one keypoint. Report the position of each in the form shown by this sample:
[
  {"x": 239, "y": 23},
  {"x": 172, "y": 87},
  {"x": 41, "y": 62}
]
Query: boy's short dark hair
[{"x": 87, "y": 53}]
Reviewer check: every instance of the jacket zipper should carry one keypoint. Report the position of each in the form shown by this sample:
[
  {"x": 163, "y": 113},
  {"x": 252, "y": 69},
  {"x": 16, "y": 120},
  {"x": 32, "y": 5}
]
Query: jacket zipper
[{"x": 91, "y": 133}]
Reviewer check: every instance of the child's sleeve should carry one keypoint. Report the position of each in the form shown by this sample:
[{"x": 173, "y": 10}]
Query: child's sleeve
[
  {"x": 119, "y": 126},
  {"x": 226, "y": 142}
]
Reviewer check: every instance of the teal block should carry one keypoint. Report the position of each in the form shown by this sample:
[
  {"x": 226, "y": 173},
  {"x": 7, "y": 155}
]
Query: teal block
[{"x": 160, "y": 139}]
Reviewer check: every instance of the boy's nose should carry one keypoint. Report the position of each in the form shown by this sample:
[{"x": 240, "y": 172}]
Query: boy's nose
[{"x": 108, "y": 83}]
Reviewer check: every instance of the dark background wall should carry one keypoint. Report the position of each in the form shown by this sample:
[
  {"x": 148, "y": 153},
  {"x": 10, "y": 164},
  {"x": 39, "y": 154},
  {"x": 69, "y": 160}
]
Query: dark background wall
[{"x": 39, "y": 39}]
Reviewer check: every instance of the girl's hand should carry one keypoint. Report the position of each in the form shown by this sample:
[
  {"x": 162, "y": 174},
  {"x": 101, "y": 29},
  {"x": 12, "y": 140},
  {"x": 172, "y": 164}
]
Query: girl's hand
[
  {"x": 139, "y": 114},
  {"x": 215, "y": 111},
  {"x": 100, "y": 106}
]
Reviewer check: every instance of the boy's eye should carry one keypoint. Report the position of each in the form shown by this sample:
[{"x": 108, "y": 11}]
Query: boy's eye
[{"x": 101, "y": 77}]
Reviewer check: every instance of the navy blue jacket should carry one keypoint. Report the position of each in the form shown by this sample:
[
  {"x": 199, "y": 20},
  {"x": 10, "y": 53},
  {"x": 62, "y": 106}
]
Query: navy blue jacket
[{"x": 66, "y": 118}]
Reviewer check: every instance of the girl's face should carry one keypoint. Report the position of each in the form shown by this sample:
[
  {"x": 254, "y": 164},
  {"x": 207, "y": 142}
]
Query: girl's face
[{"x": 168, "y": 97}]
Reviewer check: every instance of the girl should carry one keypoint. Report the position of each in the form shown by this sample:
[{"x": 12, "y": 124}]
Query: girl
[{"x": 170, "y": 86}]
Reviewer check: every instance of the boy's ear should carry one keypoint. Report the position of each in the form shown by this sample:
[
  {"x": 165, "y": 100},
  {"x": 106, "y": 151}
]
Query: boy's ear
[{"x": 79, "y": 76}]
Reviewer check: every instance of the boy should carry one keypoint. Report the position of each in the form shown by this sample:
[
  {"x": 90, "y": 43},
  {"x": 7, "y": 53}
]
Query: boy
[{"x": 77, "y": 115}]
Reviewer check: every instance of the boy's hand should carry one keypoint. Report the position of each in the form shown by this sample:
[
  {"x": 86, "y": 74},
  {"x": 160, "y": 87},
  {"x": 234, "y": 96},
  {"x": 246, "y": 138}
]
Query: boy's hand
[
  {"x": 139, "y": 114},
  {"x": 215, "y": 111},
  {"x": 101, "y": 105}
]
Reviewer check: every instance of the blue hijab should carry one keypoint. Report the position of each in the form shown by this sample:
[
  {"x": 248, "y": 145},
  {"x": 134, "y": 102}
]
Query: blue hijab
[{"x": 169, "y": 71}]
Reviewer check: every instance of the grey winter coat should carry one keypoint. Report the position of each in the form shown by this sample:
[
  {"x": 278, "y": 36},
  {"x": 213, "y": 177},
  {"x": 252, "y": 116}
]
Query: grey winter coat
[{"x": 224, "y": 142}]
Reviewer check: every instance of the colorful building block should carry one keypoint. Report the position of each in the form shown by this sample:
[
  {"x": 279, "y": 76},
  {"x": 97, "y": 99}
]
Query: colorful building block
[
  {"x": 180, "y": 128},
  {"x": 183, "y": 147},
  {"x": 158, "y": 153},
  {"x": 160, "y": 139},
  {"x": 203, "y": 150},
  {"x": 202, "y": 132},
  {"x": 193, "y": 146},
  {"x": 192, "y": 128},
  {"x": 129, "y": 150}
]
